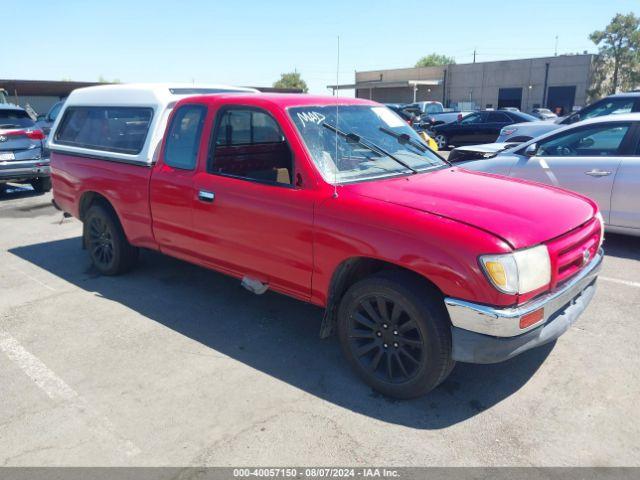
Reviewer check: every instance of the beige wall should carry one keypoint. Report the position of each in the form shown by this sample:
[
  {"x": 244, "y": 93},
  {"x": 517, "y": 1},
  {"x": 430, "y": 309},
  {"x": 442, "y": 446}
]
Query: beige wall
[{"x": 481, "y": 82}]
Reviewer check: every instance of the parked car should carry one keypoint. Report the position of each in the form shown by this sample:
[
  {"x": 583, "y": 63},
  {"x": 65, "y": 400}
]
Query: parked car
[
  {"x": 509, "y": 109},
  {"x": 543, "y": 114},
  {"x": 599, "y": 158},
  {"x": 45, "y": 122},
  {"x": 613, "y": 104},
  {"x": 418, "y": 264},
  {"x": 21, "y": 150},
  {"x": 478, "y": 127}
]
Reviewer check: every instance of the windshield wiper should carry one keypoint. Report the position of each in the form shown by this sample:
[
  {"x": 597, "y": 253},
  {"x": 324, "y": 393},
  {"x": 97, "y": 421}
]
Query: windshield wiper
[
  {"x": 368, "y": 144},
  {"x": 404, "y": 138},
  {"x": 9, "y": 125}
]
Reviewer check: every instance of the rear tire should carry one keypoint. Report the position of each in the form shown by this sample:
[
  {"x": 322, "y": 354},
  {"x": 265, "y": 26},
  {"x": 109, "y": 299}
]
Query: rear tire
[
  {"x": 395, "y": 332},
  {"x": 109, "y": 249},
  {"x": 42, "y": 184}
]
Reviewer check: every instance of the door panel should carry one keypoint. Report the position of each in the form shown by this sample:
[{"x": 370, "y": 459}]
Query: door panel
[
  {"x": 471, "y": 129},
  {"x": 625, "y": 200},
  {"x": 571, "y": 173},
  {"x": 171, "y": 192},
  {"x": 251, "y": 219},
  {"x": 171, "y": 195},
  {"x": 256, "y": 229}
]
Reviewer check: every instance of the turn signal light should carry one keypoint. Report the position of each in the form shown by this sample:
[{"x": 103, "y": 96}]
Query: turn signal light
[
  {"x": 497, "y": 273},
  {"x": 532, "y": 318}
]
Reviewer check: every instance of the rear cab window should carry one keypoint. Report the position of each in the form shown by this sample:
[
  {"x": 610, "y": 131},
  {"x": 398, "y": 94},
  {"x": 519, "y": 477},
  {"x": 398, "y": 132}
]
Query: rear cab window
[{"x": 108, "y": 129}]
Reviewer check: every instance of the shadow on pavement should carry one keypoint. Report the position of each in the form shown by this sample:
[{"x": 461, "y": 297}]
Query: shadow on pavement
[
  {"x": 11, "y": 192},
  {"x": 622, "y": 246},
  {"x": 277, "y": 335}
]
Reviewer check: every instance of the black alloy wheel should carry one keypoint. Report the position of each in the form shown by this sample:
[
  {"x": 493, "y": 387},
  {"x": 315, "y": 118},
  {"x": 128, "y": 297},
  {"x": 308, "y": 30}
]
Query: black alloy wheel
[
  {"x": 385, "y": 339},
  {"x": 100, "y": 243}
]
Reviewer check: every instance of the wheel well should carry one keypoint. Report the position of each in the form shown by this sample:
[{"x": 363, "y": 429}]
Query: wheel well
[
  {"x": 92, "y": 198},
  {"x": 349, "y": 272},
  {"x": 89, "y": 199}
]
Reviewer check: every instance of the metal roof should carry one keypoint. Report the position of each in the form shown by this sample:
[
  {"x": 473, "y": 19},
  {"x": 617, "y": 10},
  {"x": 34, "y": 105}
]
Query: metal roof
[{"x": 61, "y": 88}]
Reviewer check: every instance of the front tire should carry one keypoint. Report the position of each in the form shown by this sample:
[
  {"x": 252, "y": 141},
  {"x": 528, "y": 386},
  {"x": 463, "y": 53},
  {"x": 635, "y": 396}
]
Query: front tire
[
  {"x": 394, "y": 331},
  {"x": 109, "y": 249},
  {"x": 442, "y": 141},
  {"x": 42, "y": 184}
]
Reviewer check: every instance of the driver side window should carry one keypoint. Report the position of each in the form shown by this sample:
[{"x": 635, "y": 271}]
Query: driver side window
[
  {"x": 249, "y": 144},
  {"x": 473, "y": 118},
  {"x": 595, "y": 141}
]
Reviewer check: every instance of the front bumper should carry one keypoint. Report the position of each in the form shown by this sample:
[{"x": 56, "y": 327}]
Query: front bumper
[{"x": 482, "y": 334}]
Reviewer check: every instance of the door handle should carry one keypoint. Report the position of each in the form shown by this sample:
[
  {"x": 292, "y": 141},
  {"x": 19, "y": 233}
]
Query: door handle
[
  {"x": 598, "y": 173},
  {"x": 205, "y": 196}
]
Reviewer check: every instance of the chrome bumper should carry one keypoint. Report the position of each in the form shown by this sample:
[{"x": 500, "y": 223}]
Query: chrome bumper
[{"x": 505, "y": 322}]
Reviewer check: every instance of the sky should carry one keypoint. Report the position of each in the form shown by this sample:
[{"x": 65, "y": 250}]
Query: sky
[{"x": 252, "y": 42}]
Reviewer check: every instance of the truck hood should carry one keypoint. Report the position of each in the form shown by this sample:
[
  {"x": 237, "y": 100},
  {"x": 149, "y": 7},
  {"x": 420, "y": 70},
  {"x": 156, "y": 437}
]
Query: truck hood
[{"x": 520, "y": 212}]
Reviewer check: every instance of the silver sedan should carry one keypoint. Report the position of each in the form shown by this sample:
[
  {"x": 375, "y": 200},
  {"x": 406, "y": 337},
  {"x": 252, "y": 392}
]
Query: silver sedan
[{"x": 599, "y": 158}]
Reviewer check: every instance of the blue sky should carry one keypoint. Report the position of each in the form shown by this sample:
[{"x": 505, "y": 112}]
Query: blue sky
[{"x": 252, "y": 42}]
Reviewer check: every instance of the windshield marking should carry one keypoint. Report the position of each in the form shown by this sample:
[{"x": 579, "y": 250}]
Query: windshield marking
[{"x": 311, "y": 117}]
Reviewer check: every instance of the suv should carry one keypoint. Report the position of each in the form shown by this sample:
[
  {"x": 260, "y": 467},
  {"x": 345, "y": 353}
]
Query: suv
[
  {"x": 613, "y": 104},
  {"x": 21, "y": 150}
]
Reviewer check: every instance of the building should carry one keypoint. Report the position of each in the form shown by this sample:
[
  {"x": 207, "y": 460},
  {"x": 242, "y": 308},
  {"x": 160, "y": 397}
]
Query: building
[
  {"x": 559, "y": 81},
  {"x": 41, "y": 95}
]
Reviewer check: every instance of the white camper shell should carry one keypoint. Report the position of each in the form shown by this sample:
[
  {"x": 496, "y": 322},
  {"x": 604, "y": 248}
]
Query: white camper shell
[{"x": 123, "y": 123}]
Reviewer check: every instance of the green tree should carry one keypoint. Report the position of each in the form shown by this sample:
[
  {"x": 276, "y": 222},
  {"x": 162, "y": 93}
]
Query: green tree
[
  {"x": 435, "y": 60},
  {"x": 617, "y": 66},
  {"x": 291, "y": 80},
  {"x": 101, "y": 79}
]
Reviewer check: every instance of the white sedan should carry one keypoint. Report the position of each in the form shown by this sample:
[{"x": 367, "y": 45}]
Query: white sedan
[{"x": 599, "y": 158}]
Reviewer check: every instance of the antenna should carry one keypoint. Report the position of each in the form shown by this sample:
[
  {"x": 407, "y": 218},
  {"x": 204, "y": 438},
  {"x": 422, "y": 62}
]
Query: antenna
[{"x": 335, "y": 170}]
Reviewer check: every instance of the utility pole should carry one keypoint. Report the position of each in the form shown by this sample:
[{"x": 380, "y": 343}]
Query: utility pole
[
  {"x": 556, "y": 50},
  {"x": 474, "y": 55}
]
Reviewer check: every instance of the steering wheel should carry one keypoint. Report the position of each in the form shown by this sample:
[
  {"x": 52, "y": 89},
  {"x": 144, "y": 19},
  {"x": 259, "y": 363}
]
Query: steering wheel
[{"x": 566, "y": 151}]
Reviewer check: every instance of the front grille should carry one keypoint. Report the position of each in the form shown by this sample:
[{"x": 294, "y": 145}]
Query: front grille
[{"x": 568, "y": 251}]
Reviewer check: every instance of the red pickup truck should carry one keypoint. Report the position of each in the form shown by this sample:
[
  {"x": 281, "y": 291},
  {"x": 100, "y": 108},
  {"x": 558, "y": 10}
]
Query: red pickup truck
[{"x": 418, "y": 264}]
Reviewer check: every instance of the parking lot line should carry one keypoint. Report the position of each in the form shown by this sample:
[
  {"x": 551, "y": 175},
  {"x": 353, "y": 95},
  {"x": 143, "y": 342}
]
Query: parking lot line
[
  {"x": 620, "y": 281},
  {"x": 58, "y": 390}
]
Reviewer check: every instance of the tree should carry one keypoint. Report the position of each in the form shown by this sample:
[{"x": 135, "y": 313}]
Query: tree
[
  {"x": 617, "y": 66},
  {"x": 435, "y": 60},
  {"x": 291, "y": 80},
  {"x": 101, "y": 79}
]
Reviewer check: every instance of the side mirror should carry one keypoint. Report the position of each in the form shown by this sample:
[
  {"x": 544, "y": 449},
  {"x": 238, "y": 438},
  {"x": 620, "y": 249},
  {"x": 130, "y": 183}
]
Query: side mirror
[{"x": 531, "y": 150}]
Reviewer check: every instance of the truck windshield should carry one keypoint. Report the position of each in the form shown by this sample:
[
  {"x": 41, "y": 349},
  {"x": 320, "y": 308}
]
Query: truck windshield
[
  {"x": 431, "y": 108},
  {"x": 341, "y": 159}
]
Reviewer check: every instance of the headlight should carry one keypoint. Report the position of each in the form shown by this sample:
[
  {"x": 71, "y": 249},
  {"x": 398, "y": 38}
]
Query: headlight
[
  {"x": 601, "y": 220},
  {"x": 518, "y": 272},
  {"x": 508, "y": 131}
]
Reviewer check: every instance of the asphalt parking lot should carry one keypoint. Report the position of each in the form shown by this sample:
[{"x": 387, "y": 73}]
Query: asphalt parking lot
[{"x": 176, "y": 365}]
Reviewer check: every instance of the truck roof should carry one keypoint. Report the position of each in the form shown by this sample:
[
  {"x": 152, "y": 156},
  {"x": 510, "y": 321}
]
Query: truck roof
[
  {"x": 159, "y": 94},
  {"x": 162, "y": 98},
  {"x": 282, "y": 100}
]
